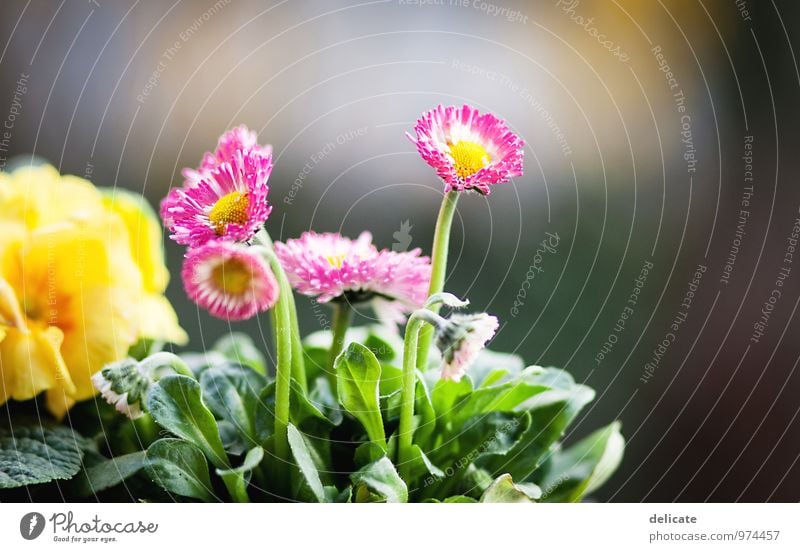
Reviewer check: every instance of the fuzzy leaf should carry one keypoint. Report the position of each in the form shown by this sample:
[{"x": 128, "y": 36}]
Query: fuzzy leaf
[
  {"x": 503, "y": 489},
  {"x": 180, "y": 468},
  {"x": 358, "y": 374},
  {"x": 111, "y": 472},
  {"x": 176, "y": 405},
  {"x": 584, "y": 466},
  {"x": 305, "y": 462},
  {"x": 379, "y": 482},
  {"x": 231, "y": 393},
  {"x": 35, "y": 454}
]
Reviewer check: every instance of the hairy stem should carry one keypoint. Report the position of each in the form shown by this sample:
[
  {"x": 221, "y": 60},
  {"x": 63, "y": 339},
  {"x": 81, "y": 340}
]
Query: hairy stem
[{"x": 441, "y": 245}]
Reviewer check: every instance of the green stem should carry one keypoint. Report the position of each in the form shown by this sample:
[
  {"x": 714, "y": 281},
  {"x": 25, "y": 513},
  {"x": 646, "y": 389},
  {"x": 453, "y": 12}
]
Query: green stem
[
  {"x": 405, "y": 431},
  {"x": 298, "y": 361},
  {"x": 282, "y": 319},
  {"x": 342, "y": 315},
  {"x": 441, "y": 245}
]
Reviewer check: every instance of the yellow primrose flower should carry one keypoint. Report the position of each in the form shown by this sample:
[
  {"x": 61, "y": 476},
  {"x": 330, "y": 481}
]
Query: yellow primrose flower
[{"x": 81, "y": 280}]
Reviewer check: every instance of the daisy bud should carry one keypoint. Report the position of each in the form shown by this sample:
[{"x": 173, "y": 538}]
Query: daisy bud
[
  {"x": 124, "y": 385},
  {"x": 460, "y": 338}
]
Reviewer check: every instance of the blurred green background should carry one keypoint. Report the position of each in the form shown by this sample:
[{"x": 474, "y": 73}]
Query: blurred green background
[{"x": 127, "y": 93}]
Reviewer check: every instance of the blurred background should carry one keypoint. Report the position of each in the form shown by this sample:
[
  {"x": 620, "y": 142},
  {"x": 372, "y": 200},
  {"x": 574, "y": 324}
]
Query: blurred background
[{"x": 661, "y": 168}]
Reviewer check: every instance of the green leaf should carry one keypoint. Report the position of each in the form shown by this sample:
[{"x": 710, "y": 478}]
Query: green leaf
[
  {"x": 238, "y": 478},
  {"x": 447, "y": 394},
  {"x": 176, "y": 405},
  {"x": 391, "y": 379},
  {"x": 35, "y": 454},
  {"x": 425, "y": 415},
  {"x": 231, "y": 393},
  {"x": 303, "y": 456},
  {"x": 459, "y": 499},
  {"x": 384, "y": 344},
  {"x": 180, "y": 468},
  {"x": 302, "y": 408},
  {"x": 544, "y": 423},
  {"x": 239, "y": 348},
  {"x": 381, "y": 347},
  {"x": 491, "y": 367},
  {"x": 421, "y": 466},
  {"x": 503, "y": 489},
  {"x": 232, "y": 440},
  {"x": 251, "y": 461},
  {"x": 358, "y": 374},
  {"x": 265, "y": 413},
  {"x": 111, "y": 472},
  {"x": 502, "y": 397},
  {"x": 585, "y": 466},
  {"x": 379, "y": 482}
]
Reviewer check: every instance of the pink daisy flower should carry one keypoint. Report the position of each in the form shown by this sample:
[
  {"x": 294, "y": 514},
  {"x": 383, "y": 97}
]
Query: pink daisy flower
[
  {"x": 239, "y": 138},
  {"x": 330, "y": 266},
  {"x": 460, "y": 338},
  {"x": 228, "y": 202},
  {"x": 469, "y": 151},
  {"x": 231, "y": 281}
]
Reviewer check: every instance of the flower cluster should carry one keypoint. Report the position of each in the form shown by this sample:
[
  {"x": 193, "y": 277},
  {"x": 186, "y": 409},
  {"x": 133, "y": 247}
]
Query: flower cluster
[
  {"x": 222, "y": 206},
  {"x": 82, "y": 278},
  {"x": 82, "y": 312}
]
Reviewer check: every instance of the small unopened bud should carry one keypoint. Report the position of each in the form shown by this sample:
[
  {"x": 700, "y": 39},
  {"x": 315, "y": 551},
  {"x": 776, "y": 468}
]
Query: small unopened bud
[
  {"x": 123, "y": 384},
  {"x": 460, "y": 338}
]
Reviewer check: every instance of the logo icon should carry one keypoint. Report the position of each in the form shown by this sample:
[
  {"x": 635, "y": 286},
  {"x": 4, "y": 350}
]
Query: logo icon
[
  {"x": 402, "y": 237},
  {"x": 31, "y": 525}
]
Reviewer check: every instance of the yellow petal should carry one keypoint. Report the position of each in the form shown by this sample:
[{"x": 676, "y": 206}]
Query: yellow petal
[
  {"x": 32, "y": 362},
  {"x": 58, "y": 402},
  {"x": 102, "y": 327},
  {"x": 144, "y": 230},
  {"x": 40, "y": 196},
  {"x": 158, "y": 321}
]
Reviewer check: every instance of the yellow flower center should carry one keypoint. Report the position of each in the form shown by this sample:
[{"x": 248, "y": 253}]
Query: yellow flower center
[
  {"x": 233, "y": 277},
  {"x": 336, "y": 261},
  {"x": 468, "y": 158},
  {"x": 229, "y": 209}
]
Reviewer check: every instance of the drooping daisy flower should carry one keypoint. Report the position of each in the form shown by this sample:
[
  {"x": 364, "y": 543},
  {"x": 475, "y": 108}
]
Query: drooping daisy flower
[
  {"x": 468, "y": 150},
  {"x": 226, "y": 199},
  {"x": 330, "y": 266},
  {"x": 232, "y": 282},
  {"x": 460, "y": 338}
]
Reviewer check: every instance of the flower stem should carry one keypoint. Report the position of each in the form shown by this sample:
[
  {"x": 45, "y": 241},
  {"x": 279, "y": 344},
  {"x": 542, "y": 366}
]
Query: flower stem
[
  {"x": 283, "y": 372},
  {"x": 298, "y": 362},
  {"x": 283, "y": 329},
  {"x": 441, "y": 245},
  {"x": 342, "y": 315},
  {"x": 405, "y": 432}
]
